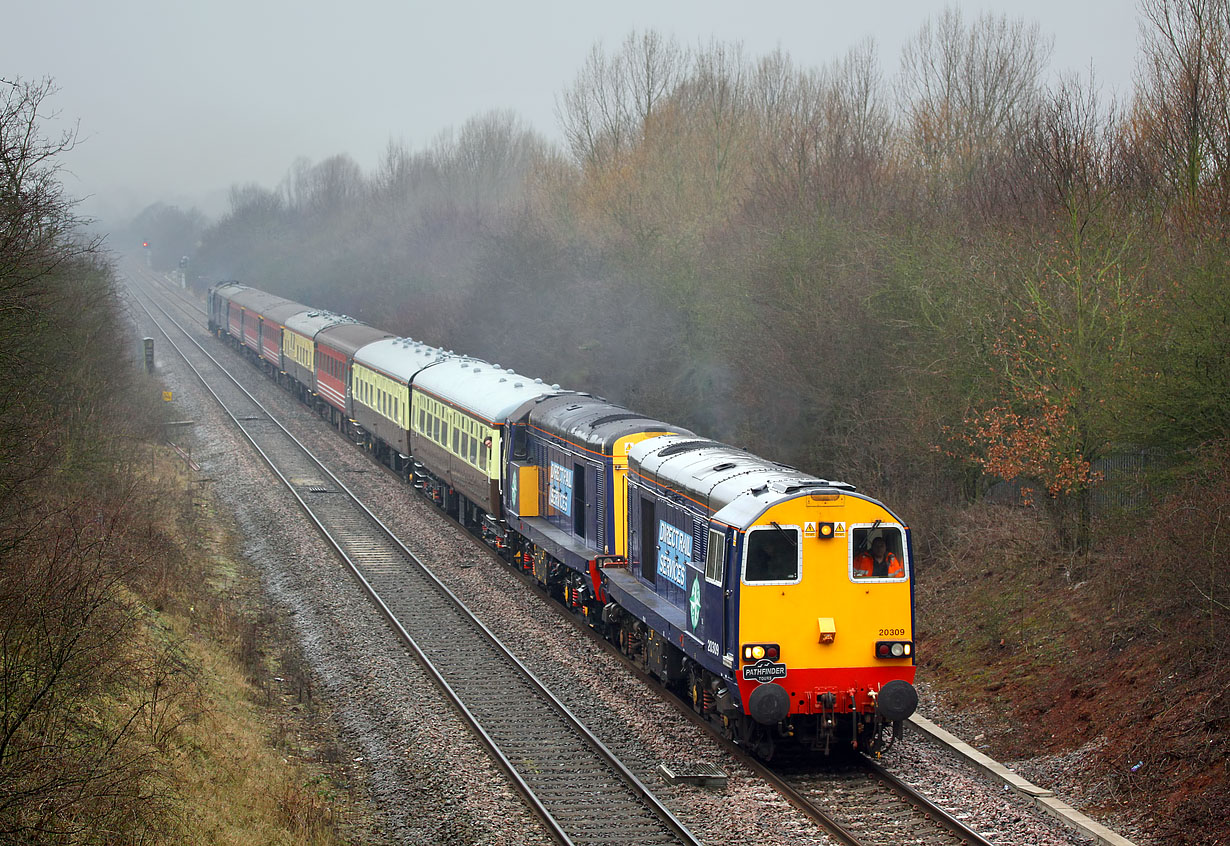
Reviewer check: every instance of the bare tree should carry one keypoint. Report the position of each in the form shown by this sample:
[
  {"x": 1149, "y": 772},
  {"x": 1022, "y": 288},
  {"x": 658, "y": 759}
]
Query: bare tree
[
  {"x": 325, "y": 188},
  {"x": 1183, "y": 97},
  {"x": 38, "y": 227},
  {"x": 825, "y": 135},
  {"x": 966, "y": 89},
  {"x": 857, "y": 123},
  {"x": 485, "y": 165},
  {"x": 717, "y": 98},
  {"x": 606, "y": 109}
]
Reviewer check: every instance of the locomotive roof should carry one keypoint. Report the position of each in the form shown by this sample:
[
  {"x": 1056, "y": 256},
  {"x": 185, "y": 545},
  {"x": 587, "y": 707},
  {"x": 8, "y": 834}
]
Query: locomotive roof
[
  {"x": 310, "y": 322},
  {"x": 350, "y": 335},
  {"x": 483, "y": 389},
  {"x": 593, "y": 422},
  {"x": 734, "y": 484},
  {"x": 269, "y": 306},
  {"x": 400, "y": 358}
]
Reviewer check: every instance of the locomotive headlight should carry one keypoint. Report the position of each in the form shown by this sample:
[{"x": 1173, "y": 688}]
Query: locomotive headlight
[
  {"x": 897, "y": 649},
  {"x": 757, "y": 651},
  {"x": 825, "y": 530}
]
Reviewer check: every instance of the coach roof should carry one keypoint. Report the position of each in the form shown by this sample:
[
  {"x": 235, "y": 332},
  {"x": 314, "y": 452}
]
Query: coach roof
[
  {"x": 269, "y": 306},
  {"x": 400, "y": 358},
  {"x": 481, "y": 388},
  {"x": 226, "y": 290},
  {"x": 310, "y": 322},
  {"x": 350, "y": 336}
]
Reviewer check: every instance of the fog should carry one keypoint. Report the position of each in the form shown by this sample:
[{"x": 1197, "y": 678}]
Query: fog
[{"x": 177, "y": 102}]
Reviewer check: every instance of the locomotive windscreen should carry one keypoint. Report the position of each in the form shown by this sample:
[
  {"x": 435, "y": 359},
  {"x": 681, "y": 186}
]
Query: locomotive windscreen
[
  {"x": 772, "y": 555},
  {"x": 878, "y": 552}
]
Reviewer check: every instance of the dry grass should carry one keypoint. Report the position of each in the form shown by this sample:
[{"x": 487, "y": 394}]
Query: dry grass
[
  {"x": 236, "y": 768},
  {"x": 232, "y": 785}
]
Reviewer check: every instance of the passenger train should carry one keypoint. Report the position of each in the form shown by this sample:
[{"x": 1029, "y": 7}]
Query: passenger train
[{"x": 741, "y": 583}]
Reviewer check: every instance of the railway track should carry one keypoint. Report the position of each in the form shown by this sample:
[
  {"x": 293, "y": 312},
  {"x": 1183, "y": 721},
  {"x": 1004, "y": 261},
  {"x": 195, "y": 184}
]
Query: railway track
[
  {"x": 870, "y": 806},
  {"x": 559, "y": 766},
  {"x": 858, "y": 804}
]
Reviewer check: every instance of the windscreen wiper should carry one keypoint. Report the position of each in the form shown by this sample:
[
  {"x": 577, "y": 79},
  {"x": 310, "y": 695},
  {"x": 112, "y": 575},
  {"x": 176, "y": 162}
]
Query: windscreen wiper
[
  {"x": 789, "y": 537},
  {"x": 863, "y": 544}
]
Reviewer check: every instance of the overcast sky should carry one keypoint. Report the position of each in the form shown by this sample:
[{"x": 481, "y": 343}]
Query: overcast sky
[{"x": 179, "y": 100}]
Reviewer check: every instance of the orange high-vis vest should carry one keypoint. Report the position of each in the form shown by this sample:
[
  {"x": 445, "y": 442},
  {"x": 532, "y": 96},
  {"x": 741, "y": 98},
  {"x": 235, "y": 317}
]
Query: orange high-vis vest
[{"x": 890, "y": 567}]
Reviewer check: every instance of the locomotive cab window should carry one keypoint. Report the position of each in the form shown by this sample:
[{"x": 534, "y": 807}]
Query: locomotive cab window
[
  {"x": 877, "y": 553},
  {"x": 772, "y": 555}
]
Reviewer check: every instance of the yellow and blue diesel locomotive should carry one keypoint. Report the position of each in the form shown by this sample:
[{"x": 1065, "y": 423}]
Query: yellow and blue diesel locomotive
[
  {"x": 779, "y": 603},
  {"x": 781, "y": 633}
]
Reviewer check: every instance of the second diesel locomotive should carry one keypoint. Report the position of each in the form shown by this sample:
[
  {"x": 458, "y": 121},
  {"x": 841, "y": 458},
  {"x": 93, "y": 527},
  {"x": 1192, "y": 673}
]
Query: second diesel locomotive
[{"x": 737, "y": 581}]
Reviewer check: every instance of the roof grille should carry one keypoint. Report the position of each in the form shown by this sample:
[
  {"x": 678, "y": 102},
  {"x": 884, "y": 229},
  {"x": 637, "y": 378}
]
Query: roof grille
[
  {"x": 685, "y": 446},
  {"x": 611, "y": 418}
]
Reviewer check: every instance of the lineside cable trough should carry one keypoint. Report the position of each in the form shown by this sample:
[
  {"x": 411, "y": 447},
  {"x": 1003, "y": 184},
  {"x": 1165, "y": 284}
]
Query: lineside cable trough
[{"x": 698, "y": 774}]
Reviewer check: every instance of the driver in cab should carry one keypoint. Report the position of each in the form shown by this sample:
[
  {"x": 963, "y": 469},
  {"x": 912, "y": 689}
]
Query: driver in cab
[{"x": 879, "y": 563}]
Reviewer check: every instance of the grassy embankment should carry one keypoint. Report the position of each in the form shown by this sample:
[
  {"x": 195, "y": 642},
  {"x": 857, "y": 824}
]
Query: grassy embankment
[
  {"x": 250, "y": 757},
  {"x": 1115, "y": 665}
]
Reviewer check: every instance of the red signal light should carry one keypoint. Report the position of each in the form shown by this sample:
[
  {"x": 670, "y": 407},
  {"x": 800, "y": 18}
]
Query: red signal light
[{"x": 145, "y": 243}]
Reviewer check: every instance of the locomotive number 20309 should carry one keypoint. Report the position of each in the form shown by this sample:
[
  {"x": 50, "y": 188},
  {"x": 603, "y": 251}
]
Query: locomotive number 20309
[{"x": 892, "y": 632}]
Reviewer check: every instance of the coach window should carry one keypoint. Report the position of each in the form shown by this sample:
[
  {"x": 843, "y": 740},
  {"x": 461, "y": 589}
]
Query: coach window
[
  {"x": 456, "y": 440},
  {"x": 772, "y": 555},
  {"x": 474, "y": 451}
]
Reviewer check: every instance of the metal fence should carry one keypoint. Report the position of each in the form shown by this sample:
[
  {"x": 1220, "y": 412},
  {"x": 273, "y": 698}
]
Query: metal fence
[{"x": 1127, "y": 480}]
